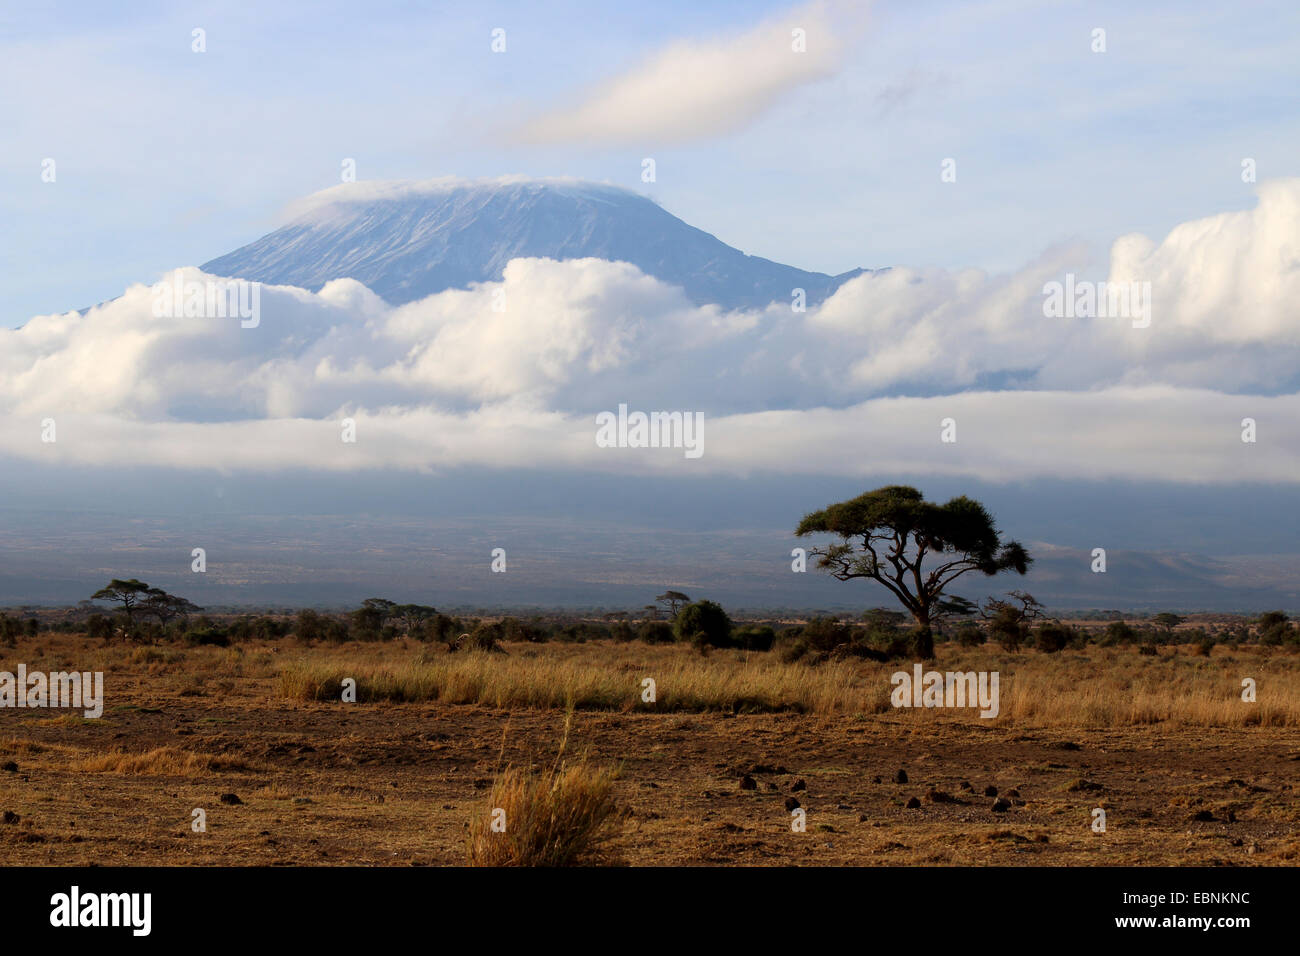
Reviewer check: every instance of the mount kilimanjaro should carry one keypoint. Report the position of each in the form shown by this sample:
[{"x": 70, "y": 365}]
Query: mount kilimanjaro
[{"x": 408, "y": 240}]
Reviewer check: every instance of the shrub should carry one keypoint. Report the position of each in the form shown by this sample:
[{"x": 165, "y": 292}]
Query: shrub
[
  {"x": 1052, "y": 637},
  {"x": 703, "y": 622},
  {"x": 215, "y": 636},
  {"x": 1275, "y": 629},
  {"x": 970, "y": 635},
  {"x": 309, "y": 627},
  {"x": 655, "y": 632},
  {"x": 825, "y": 637},
  {"x": 485, "y": 637},
  {"x": 755, "y": 638}
]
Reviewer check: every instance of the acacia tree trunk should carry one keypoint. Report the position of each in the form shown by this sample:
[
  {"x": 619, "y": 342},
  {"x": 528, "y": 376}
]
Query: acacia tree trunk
[{"x": 923, "y": 639}]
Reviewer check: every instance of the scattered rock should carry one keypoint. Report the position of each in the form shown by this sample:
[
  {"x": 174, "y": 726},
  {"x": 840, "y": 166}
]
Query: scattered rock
[
  {"x": 913, "y": 803},
  {"x": 877, "y": 780},
  {"x": 862, "y": 818},
  {"x": 303, "y": 800},
  {"x": 798, "y": 785},
  {"x": 792, "y": 804},
  {"x": 900, "y": 777},
  {"x": 231, "y": 799},
  {"x": 938, "y": 796},
  {"x": 990, "y": 791},
  {"x": 748, "y": 783},
  {"x": 1202, "y": 816},
  {"x": 1013, "y": 793},
  {"x": 965, "y": 785},
  {"x": 11, "y": 817},
  {"x": 1001, "y": 805},
  {"x": 10, "y": 766},
  {"x": 1086, "y": 786}
]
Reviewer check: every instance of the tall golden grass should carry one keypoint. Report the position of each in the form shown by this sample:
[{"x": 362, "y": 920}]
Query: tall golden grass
[{"x": 1098, "y": 687}]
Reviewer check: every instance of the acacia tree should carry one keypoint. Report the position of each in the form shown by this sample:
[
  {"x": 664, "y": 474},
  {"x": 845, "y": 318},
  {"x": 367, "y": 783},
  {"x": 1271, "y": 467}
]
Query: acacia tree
[
  {"x": 1009, "y": 620},
  {"x": 674, "y": 600},
  {"x": 889, "y": 534},
  {"x": 130, "y": 596},
  {"x": 167, "y": 607}
]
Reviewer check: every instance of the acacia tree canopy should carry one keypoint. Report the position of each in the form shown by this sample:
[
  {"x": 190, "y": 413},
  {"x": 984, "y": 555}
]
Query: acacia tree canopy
[{"x": 915, "y": 548}]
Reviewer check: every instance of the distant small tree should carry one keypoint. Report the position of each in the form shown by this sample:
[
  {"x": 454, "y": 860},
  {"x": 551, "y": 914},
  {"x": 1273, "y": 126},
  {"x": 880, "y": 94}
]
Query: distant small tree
[
  {"x": 1009, "y": 619},
  {"x": 673, "y": 601},
  {"x": 1167, "y": 621},
  {"x": 368, "y": 621},
  {"x": 410, "y": 618},
  {"x": 167, "y": 607},
  {"x": 128, "y": 594}
]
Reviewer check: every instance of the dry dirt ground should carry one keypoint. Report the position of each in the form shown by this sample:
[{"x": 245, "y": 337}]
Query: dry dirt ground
[{"x": 323, "y": 783}]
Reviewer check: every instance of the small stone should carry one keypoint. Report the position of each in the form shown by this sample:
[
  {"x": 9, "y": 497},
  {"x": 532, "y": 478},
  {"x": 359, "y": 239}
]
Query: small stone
[
  {"x": 231, "y": 799},
  {"x": 990, "y": 791},
  {"x": 1001, "y": 806},
  {"x": 10, "y": 766},
  {"x": 748, "y": 783},
  {"x": 913, "y": 803},
  {"x": 798, "y": 785},
  {"x": 900, "y": 777},
  {"x": 11, "y": 817},
  {"x": 792, "y": 803}
]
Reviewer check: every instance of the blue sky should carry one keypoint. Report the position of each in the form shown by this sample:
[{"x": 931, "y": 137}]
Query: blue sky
[{"x": 168, "y": 158}]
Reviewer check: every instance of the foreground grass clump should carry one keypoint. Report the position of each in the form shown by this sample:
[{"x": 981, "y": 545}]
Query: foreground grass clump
[{"x": 553, "y": 817}]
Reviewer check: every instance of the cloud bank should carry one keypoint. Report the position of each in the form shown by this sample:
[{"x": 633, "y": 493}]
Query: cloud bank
[{"x": 511, "y": 374}]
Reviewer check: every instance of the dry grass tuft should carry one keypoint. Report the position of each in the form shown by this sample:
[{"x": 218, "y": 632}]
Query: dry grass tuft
[
  {"x": 160, "y": 762},
  {"x": 554, "y": 817}
]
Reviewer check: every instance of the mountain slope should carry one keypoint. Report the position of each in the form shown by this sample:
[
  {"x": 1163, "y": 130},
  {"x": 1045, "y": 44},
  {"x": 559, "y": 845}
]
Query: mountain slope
[{"x": 409, "y": 240}]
